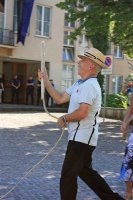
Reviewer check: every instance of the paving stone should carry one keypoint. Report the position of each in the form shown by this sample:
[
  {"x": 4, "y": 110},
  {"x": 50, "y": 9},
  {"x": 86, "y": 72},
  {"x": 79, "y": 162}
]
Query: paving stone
[{"x": 26, "y": 138}]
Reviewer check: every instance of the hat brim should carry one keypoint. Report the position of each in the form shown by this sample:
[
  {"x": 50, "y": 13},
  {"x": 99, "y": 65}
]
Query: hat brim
[{"x": 101, "y": 64}]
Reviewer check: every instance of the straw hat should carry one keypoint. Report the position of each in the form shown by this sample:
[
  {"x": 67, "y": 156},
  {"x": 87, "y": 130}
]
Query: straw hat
[{"x": 96, "y": 56}]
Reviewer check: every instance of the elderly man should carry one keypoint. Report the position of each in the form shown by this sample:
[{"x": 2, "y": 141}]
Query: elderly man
[{"x": 84, "y": 107}]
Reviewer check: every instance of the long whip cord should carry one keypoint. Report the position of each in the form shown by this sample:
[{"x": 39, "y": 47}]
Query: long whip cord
[{"x": 29, "y": 172}]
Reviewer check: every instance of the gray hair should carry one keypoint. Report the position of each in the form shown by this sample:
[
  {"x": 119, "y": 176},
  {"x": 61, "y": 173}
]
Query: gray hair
[{"x": 98, "y": 68}]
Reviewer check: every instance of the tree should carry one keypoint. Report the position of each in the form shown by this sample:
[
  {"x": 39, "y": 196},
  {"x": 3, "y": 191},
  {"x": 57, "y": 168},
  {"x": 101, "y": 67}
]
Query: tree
[{"x": 104, "y": 21}]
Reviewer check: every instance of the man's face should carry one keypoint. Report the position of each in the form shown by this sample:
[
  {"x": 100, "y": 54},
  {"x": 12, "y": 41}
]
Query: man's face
[
  {"x": 15, "y": 76},
  {"x": 84, "y": 66}
]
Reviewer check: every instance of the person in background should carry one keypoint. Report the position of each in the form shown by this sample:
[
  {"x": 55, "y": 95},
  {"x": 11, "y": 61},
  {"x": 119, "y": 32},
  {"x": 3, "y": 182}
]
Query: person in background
[
  {"x": 52, "y": 101},
  {"x": 30, "y": 89},
  {"x": 82, "y": 120},
  {"x": 126, "y": 172},
  {"x": 3, "y": 92},
  {"x": 1, "y": 87},
  {"x": 127, "y": 89},
  {"x": 38, "y": 92},
  {"x": 15, "y": 83},
  {"x": 48, "y": 97}
]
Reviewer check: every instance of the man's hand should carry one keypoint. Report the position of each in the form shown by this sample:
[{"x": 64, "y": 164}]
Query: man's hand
[
  {"x": 42, "y": 75},
  {"x": 62, "y": 122},
  {"x": 124, "y": 127},
  {"x": 124, "y": 130}
]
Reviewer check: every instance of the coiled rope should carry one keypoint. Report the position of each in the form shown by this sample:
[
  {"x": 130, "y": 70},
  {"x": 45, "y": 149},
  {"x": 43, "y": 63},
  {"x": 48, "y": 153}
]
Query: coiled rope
[{"x": 29, "y": 172}]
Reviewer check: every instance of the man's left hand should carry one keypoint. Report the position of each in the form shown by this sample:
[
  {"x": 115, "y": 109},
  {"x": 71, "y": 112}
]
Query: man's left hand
[{"x": 61, "y": 122}]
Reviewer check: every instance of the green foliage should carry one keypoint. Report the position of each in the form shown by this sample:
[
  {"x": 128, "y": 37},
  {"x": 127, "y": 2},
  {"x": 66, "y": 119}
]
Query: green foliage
[
  {"x": 116, "y": 101},
  {"x": 124, "y": 38},
  {"x": 100, "y": 80},
  {"x": 103, "y": 21},
  {"x": 129, "y": 78}
]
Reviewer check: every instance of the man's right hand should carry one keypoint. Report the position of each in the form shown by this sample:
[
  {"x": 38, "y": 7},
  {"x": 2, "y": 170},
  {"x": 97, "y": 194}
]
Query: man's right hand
[{"x": 42, "y": 75}]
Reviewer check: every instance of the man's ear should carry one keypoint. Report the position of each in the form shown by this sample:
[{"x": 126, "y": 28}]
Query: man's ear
[{"x": 91, "y": 66}]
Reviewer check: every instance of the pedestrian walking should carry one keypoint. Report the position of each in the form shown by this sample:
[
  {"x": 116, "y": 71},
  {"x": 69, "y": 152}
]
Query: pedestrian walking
[
  {"x": 15, "y": 83},
  {"x": 1, "y": 87},
  {"x": 127, "y": 165},
  {"x": 30, "y": 89},
  {"x": 82, "y": 120}
]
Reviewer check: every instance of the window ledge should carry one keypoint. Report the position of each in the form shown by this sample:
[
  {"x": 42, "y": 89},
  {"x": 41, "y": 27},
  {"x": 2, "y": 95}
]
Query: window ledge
[
  {"x": 70, "y": 46},
  {"x": 40, "y": 36},
  {"x": 118, "y": 57},
  {"x": 68, "y": 61}
]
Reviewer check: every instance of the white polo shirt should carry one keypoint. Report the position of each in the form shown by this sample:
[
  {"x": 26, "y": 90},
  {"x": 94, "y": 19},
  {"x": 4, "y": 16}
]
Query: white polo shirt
[{"x": 86, "y": 130}]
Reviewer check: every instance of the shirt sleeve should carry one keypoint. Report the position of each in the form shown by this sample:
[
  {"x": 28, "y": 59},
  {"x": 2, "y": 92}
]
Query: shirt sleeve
[
  {"x": 70, "y": 89},
  {"x": 87, "y": 93}
]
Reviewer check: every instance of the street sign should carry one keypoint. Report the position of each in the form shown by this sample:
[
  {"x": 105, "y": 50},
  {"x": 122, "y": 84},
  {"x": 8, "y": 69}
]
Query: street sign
[{"x": 109, "y": 61}]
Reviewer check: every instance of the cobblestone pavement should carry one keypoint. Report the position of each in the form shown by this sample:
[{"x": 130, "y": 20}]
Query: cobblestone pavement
[{"x": 27, "y": 137}]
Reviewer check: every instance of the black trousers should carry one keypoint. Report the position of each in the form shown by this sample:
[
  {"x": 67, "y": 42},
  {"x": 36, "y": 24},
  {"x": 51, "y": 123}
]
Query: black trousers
[
  {"x": 30, "y": 93},
  {"x": 47, "y": 99},
  {"x": 78, "y": 163},
  {"x": 15, "y": 95},
  {"x": 38, "y": 95}
]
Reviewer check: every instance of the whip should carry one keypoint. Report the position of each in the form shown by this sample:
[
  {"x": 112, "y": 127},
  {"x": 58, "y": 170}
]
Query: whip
[
  {"x": 29, "y": 172},
  {"x": 43, "y": 69}
]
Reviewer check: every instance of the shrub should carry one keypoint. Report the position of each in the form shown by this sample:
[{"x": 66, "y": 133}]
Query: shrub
[{"x": 116, "y": 101}]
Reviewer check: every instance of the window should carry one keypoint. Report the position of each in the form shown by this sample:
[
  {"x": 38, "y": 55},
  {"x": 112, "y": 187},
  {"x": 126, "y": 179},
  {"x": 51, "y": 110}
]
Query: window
[
  {"x": 1, "y": 14},
  {"x": 15, "y": 24},
  {"x": 117, "y": 84},
  {"x": 68, "y": 54},
  {"x": 67, "y": 23},
  {"x": 83, "y": 40},
  {"x": 47, "y": 65},
  {"x": 2, "y": 2},
  {"x": 67, "y": 41},
  {"x": 118, "y": 52},
  {"x": 1, "y": 20},
  {"x": 67, "y": 76},
  {"x": 17, "y": 15},
  {"x": 43, "y": 21}
]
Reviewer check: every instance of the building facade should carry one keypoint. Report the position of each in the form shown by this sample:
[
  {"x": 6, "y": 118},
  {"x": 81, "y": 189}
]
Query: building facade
[
  {"x": 47, "y": 23},
  {"x": 120, "y": 70}
]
